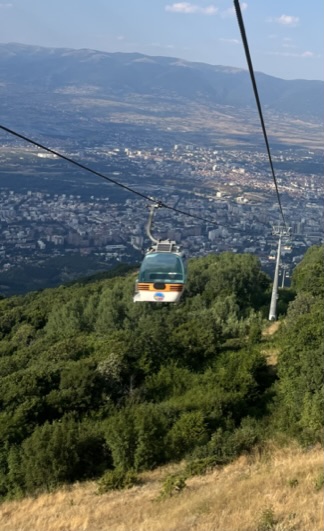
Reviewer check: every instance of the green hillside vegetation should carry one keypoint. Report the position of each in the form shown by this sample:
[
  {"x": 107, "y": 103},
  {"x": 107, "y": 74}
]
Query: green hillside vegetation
[
  {"x": 95, "y": 386},
  {"x": 298, "y": 405}
]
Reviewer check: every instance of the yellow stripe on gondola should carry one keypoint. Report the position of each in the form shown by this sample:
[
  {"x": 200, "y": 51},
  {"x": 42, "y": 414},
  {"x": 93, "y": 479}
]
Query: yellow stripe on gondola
[{"x": 141, "y": 286}]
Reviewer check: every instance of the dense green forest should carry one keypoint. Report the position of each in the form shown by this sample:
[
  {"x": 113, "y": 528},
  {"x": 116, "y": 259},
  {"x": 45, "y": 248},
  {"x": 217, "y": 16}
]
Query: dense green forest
[{"x": 95, "y": 386}]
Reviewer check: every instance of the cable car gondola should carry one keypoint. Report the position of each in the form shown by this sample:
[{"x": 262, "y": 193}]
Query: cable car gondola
[{"x": 162, "y": 275}]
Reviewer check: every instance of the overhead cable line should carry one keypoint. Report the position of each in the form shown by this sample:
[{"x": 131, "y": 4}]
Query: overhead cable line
[
  {"x": 109, "y": 179},
  {"x": 249, "y": 61}
]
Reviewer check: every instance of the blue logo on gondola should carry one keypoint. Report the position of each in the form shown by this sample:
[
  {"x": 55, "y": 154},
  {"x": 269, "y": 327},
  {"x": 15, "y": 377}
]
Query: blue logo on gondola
[{"x": 158, "y": 296}]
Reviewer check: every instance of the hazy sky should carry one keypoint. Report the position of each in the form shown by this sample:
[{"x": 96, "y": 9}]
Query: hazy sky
[{"x": 285, "y": 36}]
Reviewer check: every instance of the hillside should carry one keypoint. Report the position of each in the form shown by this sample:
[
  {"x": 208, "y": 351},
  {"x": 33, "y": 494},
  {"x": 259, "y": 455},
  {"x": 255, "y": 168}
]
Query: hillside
[
  {"x": 95, "y": 387},
  {"x": 85, "y": 359},
  {"x": 281, "y": 490}
]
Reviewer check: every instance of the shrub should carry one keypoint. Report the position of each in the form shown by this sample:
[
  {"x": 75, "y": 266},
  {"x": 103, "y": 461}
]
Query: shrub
[
  {"x": 319, "y": 482},
  {"x": 117, "y": 479},
  {"x": 173, "y": 484},
  {"x": 267, "y": 520},
  {"x": 62, "y": 452},
  {"x": 198, "y": 467},
  {"x": 293, "y": 483},
  {"x": 187, "y": 432}
]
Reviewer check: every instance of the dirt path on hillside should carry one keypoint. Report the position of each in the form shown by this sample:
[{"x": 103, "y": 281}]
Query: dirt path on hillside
[
  {"x": 270, "y": 351},
  {"x": 272, "y": 329}
]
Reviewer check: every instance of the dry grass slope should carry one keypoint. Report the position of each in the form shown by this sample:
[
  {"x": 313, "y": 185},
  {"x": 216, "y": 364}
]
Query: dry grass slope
[{"x": 278, "y": 490}]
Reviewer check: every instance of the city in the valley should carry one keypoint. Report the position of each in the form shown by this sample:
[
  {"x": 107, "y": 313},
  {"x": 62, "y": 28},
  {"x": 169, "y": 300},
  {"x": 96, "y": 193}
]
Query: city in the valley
[{"x": 51, "y": 209}]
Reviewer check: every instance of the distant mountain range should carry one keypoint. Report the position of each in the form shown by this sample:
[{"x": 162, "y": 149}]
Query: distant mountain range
[{"x": 122, "y": 74}]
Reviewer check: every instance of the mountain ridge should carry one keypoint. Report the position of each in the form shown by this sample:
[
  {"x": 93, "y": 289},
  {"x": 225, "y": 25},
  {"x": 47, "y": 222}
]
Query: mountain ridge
[{"x": 120, "y": 74}]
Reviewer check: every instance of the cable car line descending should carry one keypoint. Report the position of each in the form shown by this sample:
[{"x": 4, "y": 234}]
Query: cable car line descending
[
  {"x": 249, "y": 61},
  {"x": 102, "y": 176},
  {"x": 162, "y": 276}
]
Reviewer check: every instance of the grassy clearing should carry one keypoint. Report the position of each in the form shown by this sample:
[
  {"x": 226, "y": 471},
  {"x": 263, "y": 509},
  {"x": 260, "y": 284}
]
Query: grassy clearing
[
  {"x": 277, "y": 490},
  {"x": 271, "y": 329},
  {"x": 269, "y": 348}
]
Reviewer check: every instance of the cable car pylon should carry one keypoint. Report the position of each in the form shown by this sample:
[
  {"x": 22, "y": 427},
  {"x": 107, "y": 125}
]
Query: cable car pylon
[
  {"x": 284, "y": 268},
  {"x": 279, "y": 231}
]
